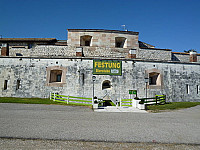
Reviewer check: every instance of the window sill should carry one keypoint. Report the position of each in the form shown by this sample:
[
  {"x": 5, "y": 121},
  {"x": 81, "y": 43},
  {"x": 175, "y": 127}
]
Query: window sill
[
  {"x": 56, "y": 84},
  {"x": 154, "y": 87}
]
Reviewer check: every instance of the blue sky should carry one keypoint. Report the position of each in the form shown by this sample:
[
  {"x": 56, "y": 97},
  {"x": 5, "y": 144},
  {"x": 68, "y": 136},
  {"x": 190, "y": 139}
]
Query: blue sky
[{"x": 172, "y": 24}]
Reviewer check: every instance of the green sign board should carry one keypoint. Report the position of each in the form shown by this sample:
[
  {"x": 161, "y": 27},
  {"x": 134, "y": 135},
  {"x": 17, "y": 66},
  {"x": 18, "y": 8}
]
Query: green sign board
[
  {"x": 107, "y": 67},
  {"x": 133, "y": 92}
]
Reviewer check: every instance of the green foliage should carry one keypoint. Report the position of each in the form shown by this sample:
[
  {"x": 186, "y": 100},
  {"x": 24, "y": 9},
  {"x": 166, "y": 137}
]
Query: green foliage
[
  {"x": 172, "y": 106},
  {"x": 190, "y": 50}
]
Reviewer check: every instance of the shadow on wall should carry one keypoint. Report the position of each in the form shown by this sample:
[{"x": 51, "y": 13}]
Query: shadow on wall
[{"x": 174, "y": 58}]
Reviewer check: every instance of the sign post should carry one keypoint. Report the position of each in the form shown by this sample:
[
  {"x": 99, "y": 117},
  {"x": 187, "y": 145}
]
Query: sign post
[
  {"x": 93, "y": 79},
  {"x": 131, "y": 92}
]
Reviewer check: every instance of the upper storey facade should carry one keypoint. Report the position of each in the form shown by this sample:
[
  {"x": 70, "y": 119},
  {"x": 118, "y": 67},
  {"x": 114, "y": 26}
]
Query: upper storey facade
[
  {"x": 103, "y": 38},
  {"x": 87, "y": 43}
]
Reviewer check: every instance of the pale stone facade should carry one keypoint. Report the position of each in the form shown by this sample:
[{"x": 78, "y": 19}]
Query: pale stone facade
[
  {"x": 48, "y": 65},
  {"x": 34, "y": 80}
]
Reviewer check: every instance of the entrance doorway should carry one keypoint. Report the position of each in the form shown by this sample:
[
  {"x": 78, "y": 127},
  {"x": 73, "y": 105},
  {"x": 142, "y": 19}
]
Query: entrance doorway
[{"x": 106, "y": 85}]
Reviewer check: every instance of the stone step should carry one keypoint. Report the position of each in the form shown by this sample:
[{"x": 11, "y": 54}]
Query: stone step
[{"x": 119, "y": 109}]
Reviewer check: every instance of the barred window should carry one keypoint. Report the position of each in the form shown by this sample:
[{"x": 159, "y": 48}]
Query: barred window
[{"x": 55, "y": 76}]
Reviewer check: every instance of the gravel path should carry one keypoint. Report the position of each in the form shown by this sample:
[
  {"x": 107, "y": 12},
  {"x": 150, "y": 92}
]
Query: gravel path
[
  {"x": 21, "y": 144},
  {"x": 28, "y": 121}
]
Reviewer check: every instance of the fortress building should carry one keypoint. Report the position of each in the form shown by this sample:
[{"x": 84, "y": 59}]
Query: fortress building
[{"x": 34, "y": 67}]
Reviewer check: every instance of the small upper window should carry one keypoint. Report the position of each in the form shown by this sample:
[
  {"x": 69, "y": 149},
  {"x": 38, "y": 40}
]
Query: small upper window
[
  {"x": 55, "y": 76},
  {"x": 18, "y": 84},
  {"x": 85, "y": 40},
  {"x": 120, "y": 42},
  {"x": 5, "y": 84},
  {"x": 106, "y": 84},
  {"x": 30, "y": 46},
  {"x": 187, "y": 89}
]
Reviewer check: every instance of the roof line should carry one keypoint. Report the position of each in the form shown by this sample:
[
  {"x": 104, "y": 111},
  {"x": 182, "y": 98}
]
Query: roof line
[
  {"x": 183, "y": 53},
  {"x": 27, "y": 39},
  {"x": 103, "y": 30},
  {"x": 156, "y": 48}
]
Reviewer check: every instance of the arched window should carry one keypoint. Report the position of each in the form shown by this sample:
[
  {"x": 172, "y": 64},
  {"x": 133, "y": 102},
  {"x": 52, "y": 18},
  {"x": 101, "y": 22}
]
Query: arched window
[
  {"x": 106, "y": 84},
  {"x": 85, "y": 40},
  {"x": 120, "y": 42}
]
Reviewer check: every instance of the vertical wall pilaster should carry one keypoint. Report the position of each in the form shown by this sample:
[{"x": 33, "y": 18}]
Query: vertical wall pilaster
[
  {"x": 132, "y": 53},
  {"x": 79, "y": 51},
  {"x": 5, "y": 49}
]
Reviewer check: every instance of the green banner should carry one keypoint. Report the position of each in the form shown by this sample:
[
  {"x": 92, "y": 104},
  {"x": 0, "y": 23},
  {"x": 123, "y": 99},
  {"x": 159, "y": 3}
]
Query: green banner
[{"x": 107, "y": 67}]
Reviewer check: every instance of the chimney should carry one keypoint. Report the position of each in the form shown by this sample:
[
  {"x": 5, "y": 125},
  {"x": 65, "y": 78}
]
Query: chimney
[
  {"x": 193, "y": 56},
  {"x": 132, "y": 53},
  {"x": 79, "y": 51}
]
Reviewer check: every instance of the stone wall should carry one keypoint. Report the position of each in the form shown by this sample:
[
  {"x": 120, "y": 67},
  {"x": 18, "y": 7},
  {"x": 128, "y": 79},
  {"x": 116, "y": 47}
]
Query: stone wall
[
  {"x": 32, "y": 73},
  {"x": 69, "y": 51},
  {"x": 180, "y": 57},
  {"x": 105, "y": 52},
  {"x": 52, "y": 50},
  {"x": 20, "y": 52},
  {"x": 175, "y": 78},
  {"x": 156, "y": 54},
  {"x": 183, "y": 57},
  {"x": 44, "y": 50}
]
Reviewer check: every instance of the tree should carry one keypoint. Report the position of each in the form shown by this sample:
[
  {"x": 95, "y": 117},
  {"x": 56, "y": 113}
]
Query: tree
[{"x": 190, "y": 50}]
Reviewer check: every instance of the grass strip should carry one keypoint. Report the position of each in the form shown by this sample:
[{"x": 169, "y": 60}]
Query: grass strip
[
  {"x": 26, "y": 100},
  {"x": 37, "y": 101},
  {"x": 172, "y": 106}
]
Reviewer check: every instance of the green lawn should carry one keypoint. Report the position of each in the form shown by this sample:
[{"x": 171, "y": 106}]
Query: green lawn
[
  {"x": 27, "y": 100},
  {"x": 172, "y": 106},
  {"x": 152, "y": 108},
  {"x": 32, "y": 101}
]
